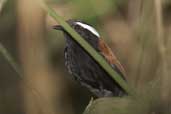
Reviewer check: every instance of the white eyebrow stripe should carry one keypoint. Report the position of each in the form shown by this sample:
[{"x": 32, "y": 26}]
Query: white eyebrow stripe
[{"x": 91, "y": 29}]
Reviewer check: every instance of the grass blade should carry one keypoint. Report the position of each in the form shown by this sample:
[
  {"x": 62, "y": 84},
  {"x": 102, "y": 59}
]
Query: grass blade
[{"x": 10, "y": 60}]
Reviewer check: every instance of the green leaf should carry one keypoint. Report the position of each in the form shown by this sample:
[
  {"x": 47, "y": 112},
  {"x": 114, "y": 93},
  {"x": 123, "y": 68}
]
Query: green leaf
[{"x": 113, "y": 105}]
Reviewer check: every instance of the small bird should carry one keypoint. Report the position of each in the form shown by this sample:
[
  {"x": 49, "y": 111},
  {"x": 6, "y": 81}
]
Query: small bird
[{"x": 84, "y": 68}]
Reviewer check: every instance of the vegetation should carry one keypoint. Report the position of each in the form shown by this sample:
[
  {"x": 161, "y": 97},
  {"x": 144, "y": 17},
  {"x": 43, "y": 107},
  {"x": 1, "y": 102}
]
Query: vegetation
[{"x": 138, "y": 31}]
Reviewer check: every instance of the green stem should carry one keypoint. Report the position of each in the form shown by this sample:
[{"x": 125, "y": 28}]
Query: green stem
[{"x": 10, "y": 60}]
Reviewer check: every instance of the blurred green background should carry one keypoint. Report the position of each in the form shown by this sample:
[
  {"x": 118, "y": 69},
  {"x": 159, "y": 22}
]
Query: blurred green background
[{"x": 134, "y": 29}]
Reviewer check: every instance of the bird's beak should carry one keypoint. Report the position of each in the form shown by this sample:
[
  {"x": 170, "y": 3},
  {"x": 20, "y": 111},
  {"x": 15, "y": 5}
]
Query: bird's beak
[{"x": 57, "y": 27}]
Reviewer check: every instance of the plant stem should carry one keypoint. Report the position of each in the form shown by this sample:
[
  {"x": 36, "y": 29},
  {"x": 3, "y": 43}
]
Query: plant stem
[
  {"x": 10, "y": 60},
  {"x": 162, "y": 50}
]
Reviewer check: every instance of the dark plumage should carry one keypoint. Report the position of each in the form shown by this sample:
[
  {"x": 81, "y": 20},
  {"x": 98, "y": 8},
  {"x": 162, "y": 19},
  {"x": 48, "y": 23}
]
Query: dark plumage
[{"x": 84, "y": 69}]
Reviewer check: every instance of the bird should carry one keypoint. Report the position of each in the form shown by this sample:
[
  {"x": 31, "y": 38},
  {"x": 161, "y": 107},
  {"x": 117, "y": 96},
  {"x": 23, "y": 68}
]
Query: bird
[{"x": 83, "y": 68}]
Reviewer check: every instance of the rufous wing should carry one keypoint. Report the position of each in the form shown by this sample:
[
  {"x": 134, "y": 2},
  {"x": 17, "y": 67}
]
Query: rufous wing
[{"x": 109, "y": 56}]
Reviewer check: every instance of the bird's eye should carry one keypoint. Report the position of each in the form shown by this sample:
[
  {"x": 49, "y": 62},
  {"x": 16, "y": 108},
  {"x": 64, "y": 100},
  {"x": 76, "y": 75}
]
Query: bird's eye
[{"x": 89, "y": 28}]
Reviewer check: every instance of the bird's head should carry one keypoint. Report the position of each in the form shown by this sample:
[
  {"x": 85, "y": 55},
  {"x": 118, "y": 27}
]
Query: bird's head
[{"x": 82, "y": 28}]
